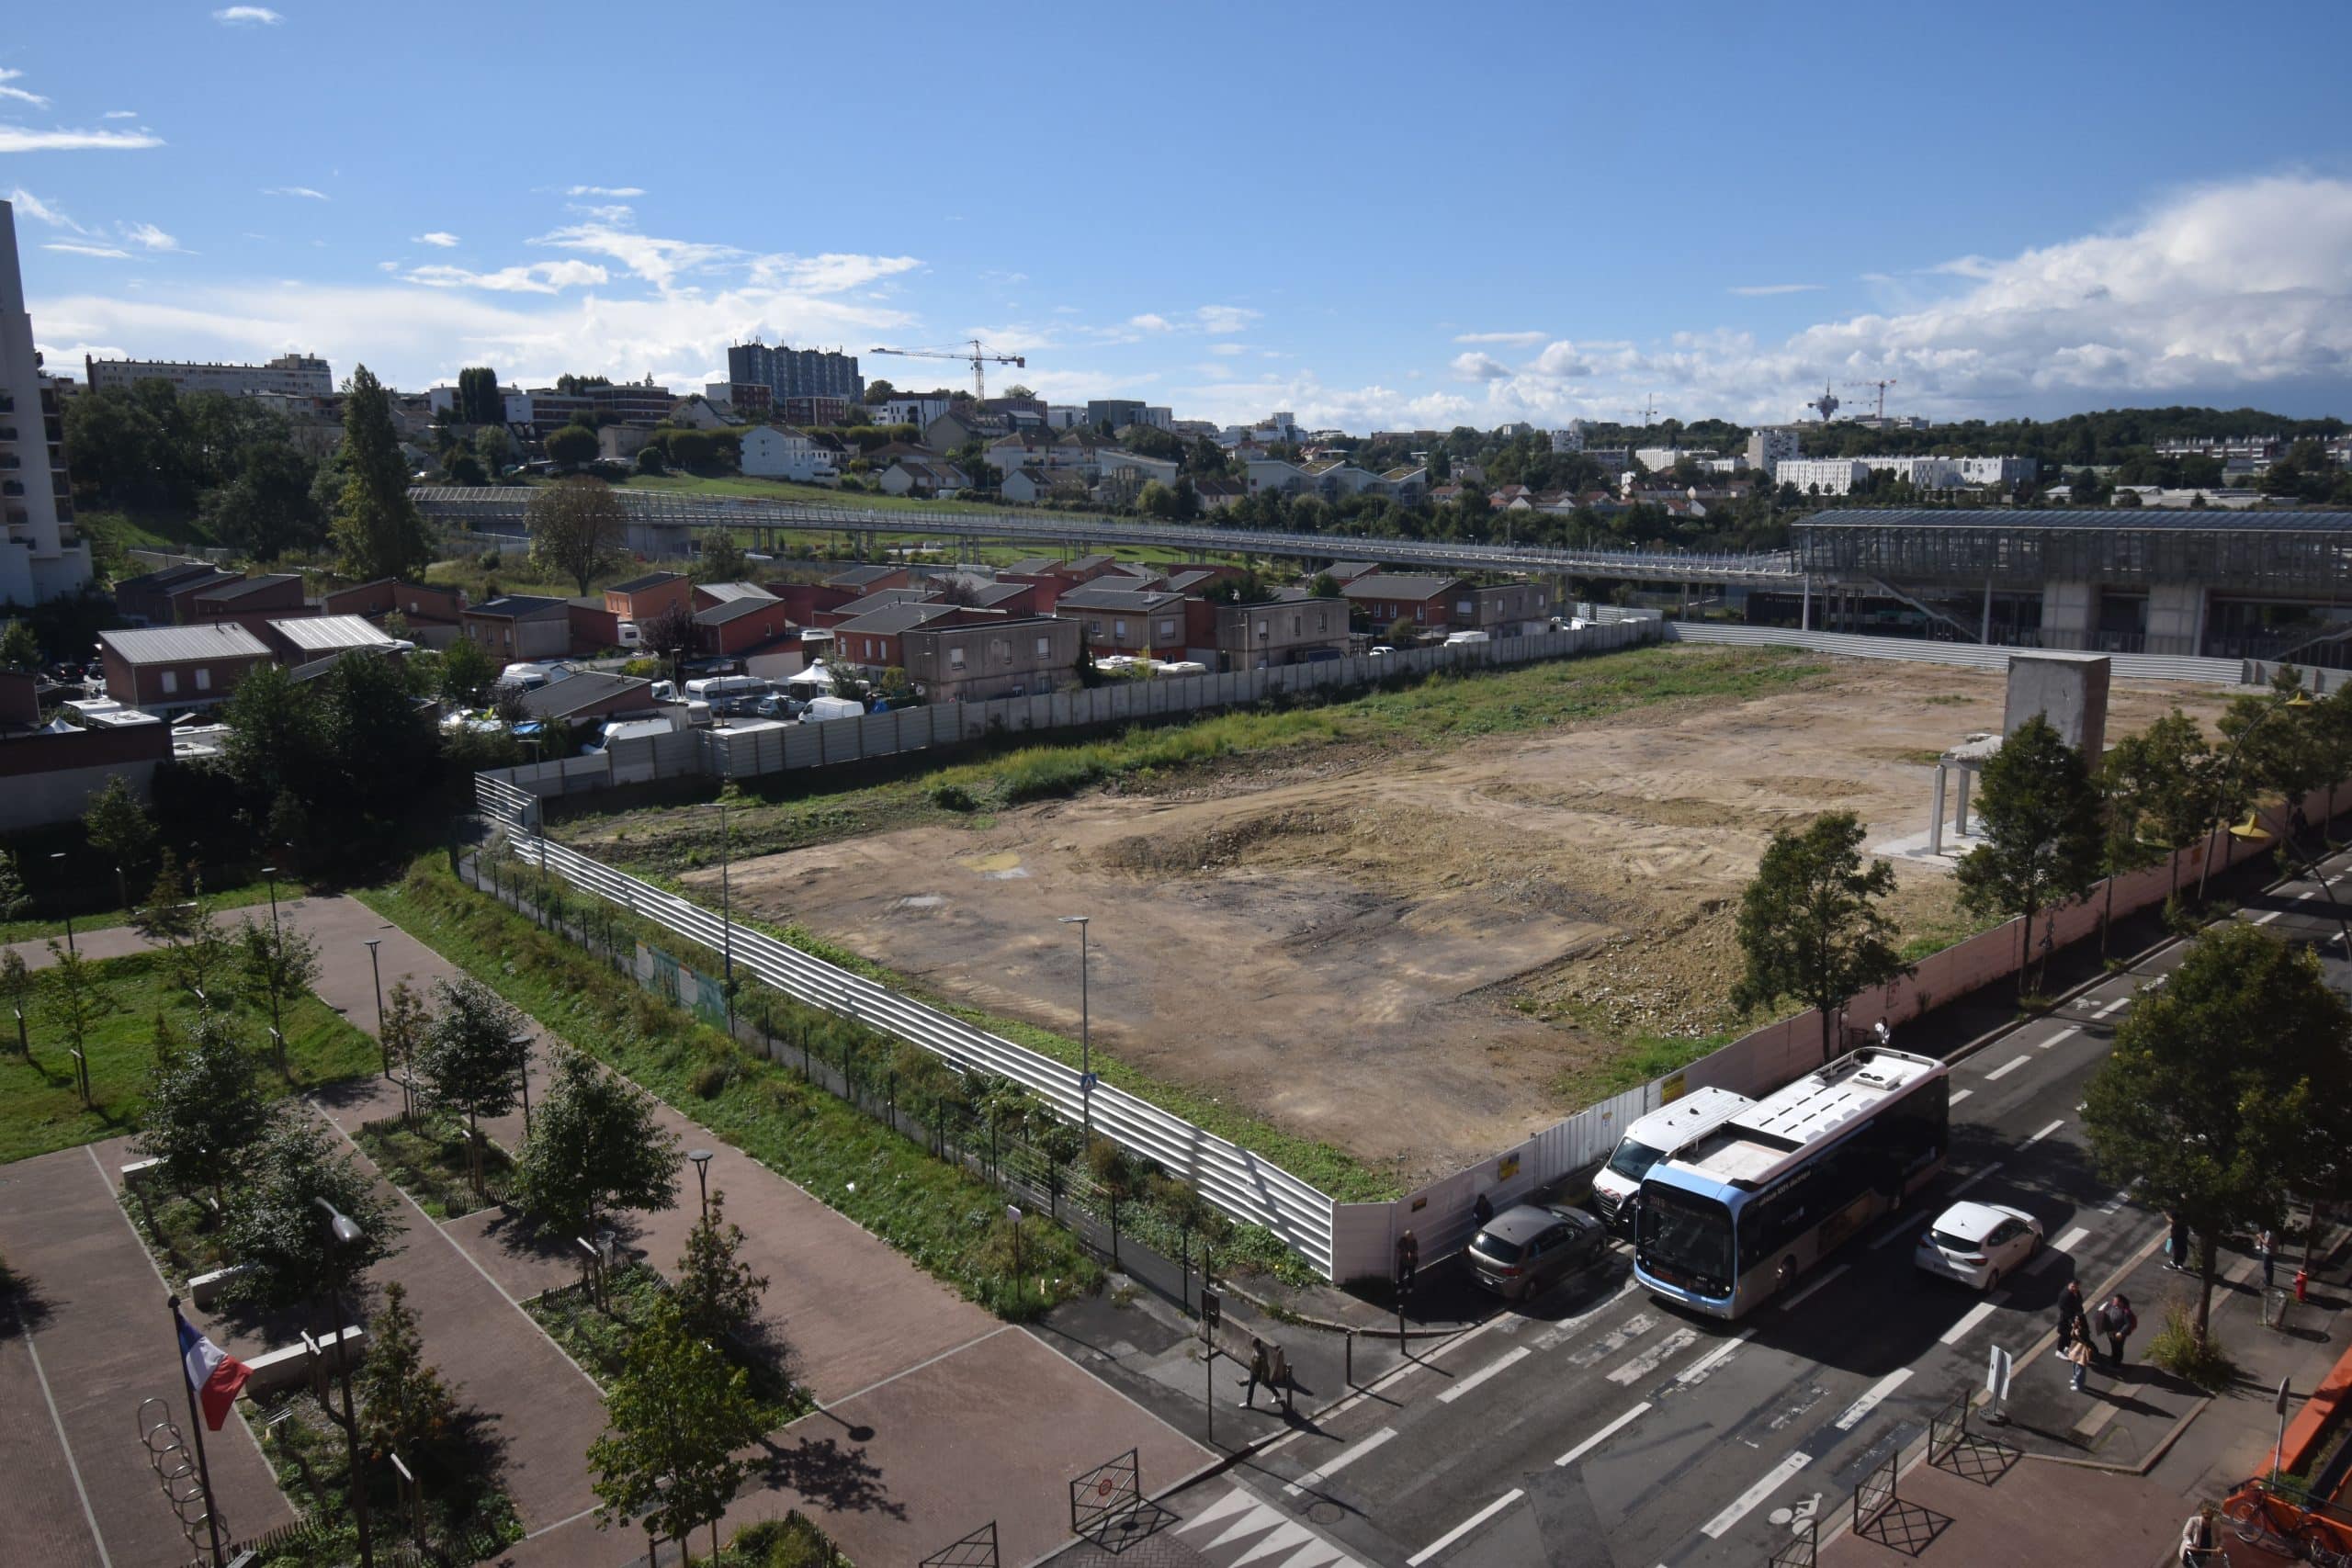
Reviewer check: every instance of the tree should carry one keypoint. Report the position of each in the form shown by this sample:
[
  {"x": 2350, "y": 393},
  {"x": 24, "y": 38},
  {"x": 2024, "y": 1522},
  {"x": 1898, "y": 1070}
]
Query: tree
[
  {"x": 406, "y": 1019},
  {"x": 1019, "y": 391},
  {"x": 121, "y": 829},
  {"x": 692, "y": 449},
  {"x": 1809, "y": 922},
  {"x": 676, "y": 1414},
  {"x": 650, "y": 461},
  {"x": 670, "y": 634},
  {"x": 376, "y": 742},
  {"x": 168, "y": 915},
  {"x": 14, "y": 899},
  {"x": 1118, "y": 1177},
  {"x": 478, "y": 399},
  {"x": 2130, "y": 776},
  {"x": 464, "y": 469},
  {"x": 19, "y": 646},
  {"x": 596, "y": 1144},
  {"x": 1401, "y": 633},
  {"x": 466, "y": 672},
  {"x": 17, "y": 987},
  {"x": 716, "y": 1294},
  {"x": 272, "y": 749},
  {"x": 206, "y": 1111},
  {"x": 278, "y": 961},
  {"x": 1155, "y": 500},
  {"x": 2224, "y": 1088},
  {"x": 572, "y": 446},
  {"x": 267, "y": 510},
  {"x": 376, "y": 529},
  {"x": 2178, "y": 780},
  {"x": 472, "y": 1056},
  {"x": 494, "y": 448},
  {"x": 203, "y": 957},
  {"x": 722, "y": 559},
  {"x": 2040, "y": 820},
  {"x": 577, "y": 529},
  {"x": 78, "y": 994},
  {"x": 276, "y": 1228},
  {"x": 405, "y": 1407}
]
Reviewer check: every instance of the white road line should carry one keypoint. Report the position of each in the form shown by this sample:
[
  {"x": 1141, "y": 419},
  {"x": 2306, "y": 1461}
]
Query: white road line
[
  {"x": 1980, "y": 1176},
  {"x": 2115, "y": 1202},
  {"x": 1905, "y": 1224},
  {"x": 2044, "y": 1132},
  {"x": 2118, "y": 1005},
  {"x": 1791, "y": 1303},
  {"x": 2006, "y": 1068},
  {"x": 1464, "y": 1528},
  {"x": 65, "y": 1444},
  {"x": 1340, "y": 1461},
  {"x": 1871, "y": 1399},
  {"x": 1960, "y": 1094},
  {"x": 1473, "y": 1380},
  {"x": 1744, "y": 1504},
  {"x": 1968, "y": 1321},
  {"x": 2267, "y": 916},
  {"x": 2071, "y": 1240},
  {"x": 2062, "y": 1036},
  {"x": 1713, "y": 1358},
  {"x": 1647, "y": 1361},
  {"x": 1602, "y": 1436}
]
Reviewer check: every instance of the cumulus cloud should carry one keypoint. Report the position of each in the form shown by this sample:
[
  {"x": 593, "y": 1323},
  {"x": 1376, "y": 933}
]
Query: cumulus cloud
[
  {"x": 440, "y": 237},
  {"x": 658, "y": 261},
  {"x": 84, "y": 248},
  {"x": 1225, "y": 317},
  {"x": 247, "y": 16},
  {"x": 1760, "y": 290},
  {"x": 23, "y": 139},
  {"x": 538, "y": 277},
  {"x": 305, "y": 192},
  {"x": 1516, "y": 339},
  {"x": 1475, "y": 366},
  {"x": 1150, "y": 322},
  {"x": 834, "y": 272}
]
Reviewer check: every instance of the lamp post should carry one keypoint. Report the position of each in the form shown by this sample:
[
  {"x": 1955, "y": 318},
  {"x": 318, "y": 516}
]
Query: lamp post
[
  {"x": 59, "y": 857},
  {"x": 1085, "y": 1032},
  {"x": 342, "y": 1231},
  {"x": 702, "y": 1176},
  {"x": 375, "y": 972},
  {"x": 523, "y": 1050},
  {"x": 727, "y": 915}
]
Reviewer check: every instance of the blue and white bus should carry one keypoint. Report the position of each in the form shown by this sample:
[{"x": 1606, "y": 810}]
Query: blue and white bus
[{"x": 1730, "y": 1221}]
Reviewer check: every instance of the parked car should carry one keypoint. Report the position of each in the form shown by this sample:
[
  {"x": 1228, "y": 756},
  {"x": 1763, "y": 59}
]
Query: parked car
[
  {"x": 1528, "y": 1248},
  {"x": 1381, "y": 650},
  {"x": 631, "y": 635},
  {"x": 1978, "y": 1244},
  {"x": 1458, "y": 639}
]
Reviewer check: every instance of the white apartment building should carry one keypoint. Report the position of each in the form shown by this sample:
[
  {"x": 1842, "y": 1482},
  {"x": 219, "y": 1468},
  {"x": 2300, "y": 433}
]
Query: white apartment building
[
  {"x": 1570, "y": 439},
  {"x": 1771, "y": 446},
  {"x": 1828, "y": 476},
  {"x": 41, "y": 553},
  {"x": 1995, "y": 470},
  {"x": 918, "y": 411},
  {"x": 289, "y": 375},
  {"x": 1160, "y": 418},
  {"x": 780, "y": 452},
  {"x": 1065, "y": 416}
]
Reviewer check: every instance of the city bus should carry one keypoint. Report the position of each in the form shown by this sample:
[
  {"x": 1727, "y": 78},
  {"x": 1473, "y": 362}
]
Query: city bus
[{"x": 1730, "y": 1221}]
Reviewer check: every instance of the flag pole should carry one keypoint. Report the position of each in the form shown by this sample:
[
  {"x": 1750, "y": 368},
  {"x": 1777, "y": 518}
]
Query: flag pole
[{"x": 196, "y": 1426}]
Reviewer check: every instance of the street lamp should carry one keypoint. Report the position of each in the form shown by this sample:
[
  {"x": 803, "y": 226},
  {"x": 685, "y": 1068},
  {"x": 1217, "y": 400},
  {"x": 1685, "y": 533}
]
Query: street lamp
[
  {"x": 342, "y": 1231},
  {"x": 1085, "y": 1032},
  {"x": 702, "y": 1158},
  {"x": 727, "y": 915},
  {"x": 376, "y": 971},
  {"x": 523, "y": 1047},
  {"x": 270, "y": 874},
  {"x": 60, "y": 857}
]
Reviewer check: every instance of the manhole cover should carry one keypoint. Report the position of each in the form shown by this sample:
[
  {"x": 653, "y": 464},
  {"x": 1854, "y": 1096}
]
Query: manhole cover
[{"x": 1326, "y": 1513}]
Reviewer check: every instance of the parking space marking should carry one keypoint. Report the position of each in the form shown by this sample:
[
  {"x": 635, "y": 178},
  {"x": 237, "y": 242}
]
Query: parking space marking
[
  {"x": 1970, "y": 1319},
  {"x": 1713, "y": 1358},
  {"x": 2043, "y": 1134},
  {"x": 2118, "y": 1005},
  {"x": 1602, "y": 1436},
  {"x": 1651, "y": 1358},
  {"x": 1791, "y": 1303},
  {"x": 2062, "y": 1035},
  {"x": 1980, "y": 1176},
  {"x": 1464, "y": 1528},
  {"x": 2267, "y": 917},
  {"x": 1960, "y": 1094},
  {"x": 1340, "y": 1461},
  {"x": 1744, "y": 1504},
  {"x": 2006, "y": 1068},
  {"x": 1871, "y": 1399},
  {"x": 1473, "y": 1380},
  {"x": 2071, "y": 1240}
]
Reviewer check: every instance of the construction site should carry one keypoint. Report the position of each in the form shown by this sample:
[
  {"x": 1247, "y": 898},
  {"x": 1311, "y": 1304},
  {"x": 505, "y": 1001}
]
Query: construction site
[{"x": 1409, "y": 940}]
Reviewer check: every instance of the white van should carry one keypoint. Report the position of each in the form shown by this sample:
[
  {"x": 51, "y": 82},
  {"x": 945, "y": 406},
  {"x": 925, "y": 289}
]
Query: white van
[
  {"x": 715, "y": 688},
  {"x": 1661, "y": 1134},
  {"x": 833, "y": 707},
  {"x": 1458, "y": 639}
]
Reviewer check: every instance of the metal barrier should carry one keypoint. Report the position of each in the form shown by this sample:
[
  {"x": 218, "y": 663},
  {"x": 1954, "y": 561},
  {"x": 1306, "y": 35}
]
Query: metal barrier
[
  {"x": 1249, "y": 1188},
  {"x": 1802, "y": 1549},
  {"x": 1874, "y": 1494},
  {"x": 1948, "y": 1427},
  {"x": 977, "y": 1550}
]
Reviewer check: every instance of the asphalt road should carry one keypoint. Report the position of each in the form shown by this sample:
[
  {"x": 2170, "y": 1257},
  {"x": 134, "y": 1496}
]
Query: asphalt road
[{"x": 1599, "y": 1424}]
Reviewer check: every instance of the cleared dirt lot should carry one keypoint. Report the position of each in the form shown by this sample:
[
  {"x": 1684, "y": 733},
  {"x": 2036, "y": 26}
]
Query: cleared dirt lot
[{"x": 1414, "y": 955}]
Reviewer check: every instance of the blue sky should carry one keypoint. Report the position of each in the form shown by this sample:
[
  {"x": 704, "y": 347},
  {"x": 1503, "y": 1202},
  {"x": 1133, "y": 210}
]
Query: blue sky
[{"x": 1371, "y": 215}]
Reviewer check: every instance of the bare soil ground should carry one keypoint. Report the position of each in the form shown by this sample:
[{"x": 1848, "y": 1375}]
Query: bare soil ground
[{"x": 1418, "y": 957}]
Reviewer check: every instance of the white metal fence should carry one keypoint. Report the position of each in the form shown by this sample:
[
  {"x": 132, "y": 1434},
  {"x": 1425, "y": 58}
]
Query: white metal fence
[{"x": 1238, "y": 1182}]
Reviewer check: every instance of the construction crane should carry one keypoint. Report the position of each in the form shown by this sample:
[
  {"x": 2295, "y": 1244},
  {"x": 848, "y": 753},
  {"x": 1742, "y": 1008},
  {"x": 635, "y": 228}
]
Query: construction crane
[
  {"x": 1649, "y": 410},
  {"x": 1827, "y": 404},
  {"x": 1882, "y": 386},
  {"x": 979, "y": 355}
]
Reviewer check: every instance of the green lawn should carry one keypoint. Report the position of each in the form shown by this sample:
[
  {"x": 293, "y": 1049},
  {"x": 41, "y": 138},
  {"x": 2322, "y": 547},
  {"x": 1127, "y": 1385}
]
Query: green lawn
[
  {"x": 40, "y": 1109},
  {"x": 428, "y": 1161},
  {"x": 598, "y": 1338},
  {"x": 223, "y": 901}
]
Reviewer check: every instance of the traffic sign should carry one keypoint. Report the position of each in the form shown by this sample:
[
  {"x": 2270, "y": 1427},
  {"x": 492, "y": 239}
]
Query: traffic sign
[{"x": 1086, "y": 1082}]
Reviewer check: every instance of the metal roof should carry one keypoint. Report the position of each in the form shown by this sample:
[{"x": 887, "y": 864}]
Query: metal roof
[
  {"x": 723, "y": 592},
  {"x": 2147, "y": 519},
  {"x": 319, "y": 634},
  {"x": 182, "y": 645},
  {"x": 1380, "y": 585},
  {"x": 244, "y": 586},
  {"x": 892, "y": 619},
  {"x": 1094, "y": 596},
  {"x": 733, "y": 609},
  {"x": 640, "y": 584},
  {"x": 585, "y": 689},
  {"x": 519, "y": 606}
]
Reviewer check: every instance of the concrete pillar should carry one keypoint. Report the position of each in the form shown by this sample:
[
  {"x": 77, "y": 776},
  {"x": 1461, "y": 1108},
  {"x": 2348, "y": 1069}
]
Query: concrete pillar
[
  {"x": 1805, "y": 610},
  {"x": 2176, "y": 617},
  {"x": 2067, "y": 610},
  {"x": 1959, "y": 813},
  {"x": 1985, "y": 630},
  {"x": 1936, "y": 819}
]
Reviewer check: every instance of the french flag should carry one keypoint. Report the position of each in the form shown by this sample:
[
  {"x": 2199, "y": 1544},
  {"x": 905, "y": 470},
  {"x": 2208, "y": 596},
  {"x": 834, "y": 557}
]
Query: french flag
[{"x": 212, "y": 1372}]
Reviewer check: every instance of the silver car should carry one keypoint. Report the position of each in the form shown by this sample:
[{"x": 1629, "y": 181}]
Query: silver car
[{"x": 1526, "y": 1249}]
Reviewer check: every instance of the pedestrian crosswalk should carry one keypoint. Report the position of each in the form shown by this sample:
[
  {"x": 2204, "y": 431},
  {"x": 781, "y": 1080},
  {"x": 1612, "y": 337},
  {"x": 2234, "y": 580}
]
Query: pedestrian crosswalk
[{"x": 1240, "y": 1529}]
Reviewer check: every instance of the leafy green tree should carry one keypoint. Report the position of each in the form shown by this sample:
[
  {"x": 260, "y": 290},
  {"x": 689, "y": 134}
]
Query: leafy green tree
[
  {"x": 13, "y": 900},
  {"x": 273, "y": 747},
  {"x": 406, "y": 1407},
  {"x": 494, "y": 448},
  {"x": 478, "y": 399},
  {"x": 169, "y": 914},
  {"x": 78, "y": 994},
  {"x": 722, "y": 559},
  {"x": 691, "y": 450},
  {"x": 2177, "y": 779},
  {"x": 1155, "y": 500},
  {"x": 1809, "y": 922},
  {"x": 669, "y": 635},
  {"x": 120, "y": 828},
  {"x": 376, "y": 529},
  {"x": 275, "y": 1227},
  {"x": 676, "y": 1416},
  {"x": 577, "y": 529},
  {"x": 466, "y": 672},
  {"x": 380, "y": 745},
  {"x": 2039, "y": 815},
  {"x": 464, "y": 469},
  {"x": 1401, "y": 633},
  {"x": 1119, "y": 1176},
  {"x": 596, "y": 1144},
  {"x": 571, "y": 446},
  {"x": 650, "y": 461},
  {"x": 716, "y": 1294},
  {"x": 17, "y": 987},
  {"x": 2226, "y": 1088},
  {"x": 472, "y": 1056},
  {"x": 406, "y": 1019},
  {"x": 2130, "y": 777},
  {"x": 278, "y": 961},
  {"x": 203, "y": 958},
  {"x": 267, "y": 510},
  {"x": 206, "y": 1111},
  {"x": 19, "y": 646}
]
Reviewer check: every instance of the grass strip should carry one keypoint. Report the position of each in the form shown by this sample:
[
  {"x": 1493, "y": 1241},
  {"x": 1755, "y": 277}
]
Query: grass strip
[
  {"x": 428, "y": 1161},
  {"x": 599, "y": 1337}
]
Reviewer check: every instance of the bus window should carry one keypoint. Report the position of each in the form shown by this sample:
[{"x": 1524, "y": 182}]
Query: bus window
[{"x": 1684, "y": 1233}]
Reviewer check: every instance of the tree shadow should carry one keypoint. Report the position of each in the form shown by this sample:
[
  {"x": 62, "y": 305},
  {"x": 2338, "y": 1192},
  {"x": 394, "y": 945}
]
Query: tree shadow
[
  {"x": 830, "y": 1475},
  {"x": 24, "y": 1308}
]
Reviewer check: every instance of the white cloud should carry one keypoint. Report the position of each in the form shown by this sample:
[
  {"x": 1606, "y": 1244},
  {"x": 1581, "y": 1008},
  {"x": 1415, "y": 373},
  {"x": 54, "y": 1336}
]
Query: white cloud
[
  {"x": 1473, "y": 366},
  {"x": 81, "y": 248},
  {"x": 1517, "y": 340},
  {"x": 1149, "y": 322},
  {"x": 440, "y": 237},
  {"x": 247, "y": 16},
  {"x": 605, "y": 190},
  {"x": 831, "y": 273},
  {"x": 659, "y": 261},
  {"x": 22, "y": 96},
  {"x": 538, "y": 278},
  {"x": 149, "y": 237},
  {"x": 1229, "y": 349},
  {"x": 1224, "y": 318},
  {"x": 35, "y": 208},
  {"x": 119, "y": 114},
  {"x": 305, "y": 192},
  {"x": 22, "y": 139},
  {"x": 1759, "y": 290}
]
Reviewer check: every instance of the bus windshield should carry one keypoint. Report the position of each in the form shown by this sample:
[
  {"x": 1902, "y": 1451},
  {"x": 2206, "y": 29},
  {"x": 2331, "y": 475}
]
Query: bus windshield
[
  {"x": 1633, "y": 1160},
  {"x": 1682, "y": 1233}
]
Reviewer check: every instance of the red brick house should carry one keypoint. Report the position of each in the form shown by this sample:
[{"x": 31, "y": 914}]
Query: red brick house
[
  {"x": 158, "y": 597},
  {"x": 737, "y": 626},
  {"x": 594, "y": 627},
  {"x": 164, "y": 669},
  {"x": 866, "y": 603},
  {"x": 250, "y": 601},
  {"x": 1138, "y": 622},
  {"x": 874, "y": 641},
  {"x": 433, "y": 612},
  {"x": 1426, "y": 601},
  {"x": 645, "y": 599},
  {"x": 513, "y": 627}
]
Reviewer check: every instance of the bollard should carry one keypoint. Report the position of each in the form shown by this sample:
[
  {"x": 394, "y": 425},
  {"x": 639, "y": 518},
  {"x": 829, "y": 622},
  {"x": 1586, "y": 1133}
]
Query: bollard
[
  {"x": 1351, "y": 1357},
  {"x": 2303, "y": 1284}
]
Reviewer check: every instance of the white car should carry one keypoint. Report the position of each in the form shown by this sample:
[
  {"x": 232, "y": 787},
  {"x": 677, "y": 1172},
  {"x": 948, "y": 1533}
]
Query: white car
[{"x": 1979, "y": 1244}]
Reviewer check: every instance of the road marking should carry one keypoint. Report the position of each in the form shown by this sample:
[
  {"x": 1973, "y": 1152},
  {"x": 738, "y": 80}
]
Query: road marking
[
  {"x": 1960, "y": 1094},
  {"x": 65, "y": 1444},
  {"x": 2101, "y": 1414},
  {"x": 1744, "y": 1504},
  {"x": 1903, "y": 1225},
  {"x": 2118, "y": 1005},
  {"x": 1871, "y": 1399},
  {"x": 1464, "y": 1528},
  {"x": 1969, "y": 1320},
  {"x": 1713, "y": 1358},
  {"x": 1980, "y": 1176},
  {"x": 1632, "y": 1328},
  {"x": 2115, "y": 1202},
  {"x": 1602, "y": 1436},
  {"x": 2044, "y": 1132},
  {"x": 1473, "y": 1380},
  {"x": 2006, "y": 1068},
  {"x": 1340, "y": 1461},
  {"x": 2071, "y": 1240},
  {"x": 1791, "y": 1303},
  {"x": 2062, "y": 1036},
  {"x": 1649, "y": 1360},
  {"x": 2267, "y": 916}
]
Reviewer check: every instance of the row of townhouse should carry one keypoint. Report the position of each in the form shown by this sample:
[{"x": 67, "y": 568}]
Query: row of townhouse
[
  {"x": 1334, "y": 480},
  {"x": 1434, "y": 604}
]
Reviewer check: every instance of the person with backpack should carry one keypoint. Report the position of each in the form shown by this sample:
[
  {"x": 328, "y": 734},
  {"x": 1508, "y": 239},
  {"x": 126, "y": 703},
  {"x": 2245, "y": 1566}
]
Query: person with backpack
[
  {"x": 2072, "y": 1324},
  {"x": 2116, "y": 1321}
]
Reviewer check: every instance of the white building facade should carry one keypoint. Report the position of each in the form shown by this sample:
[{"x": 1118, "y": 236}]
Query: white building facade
[
  {"x": 42, "y": 555},
  {"x": 1826, "y": 476},
  {"x": 1771, "y": 446},
  {"x": 780, "y": 452},
  {"x": 289, "y": 375}
]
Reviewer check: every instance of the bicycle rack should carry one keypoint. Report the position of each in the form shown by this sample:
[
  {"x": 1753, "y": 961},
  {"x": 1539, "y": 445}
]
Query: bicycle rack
[{"x": 174, "y": 1461}]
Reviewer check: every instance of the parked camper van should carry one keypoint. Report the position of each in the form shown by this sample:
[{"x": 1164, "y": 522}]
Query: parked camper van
[
  {"x": 715, "y": 689},
  {"x": 1660, "y": 1135}
]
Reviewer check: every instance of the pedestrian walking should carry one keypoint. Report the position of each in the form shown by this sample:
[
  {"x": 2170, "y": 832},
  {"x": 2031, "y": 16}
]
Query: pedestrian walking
[
  {"x": 2267, "y": 1245},
  {"x": 2079, "y": 1355},
  {"x": 1259, "y": 1373},
  {"x": 2200, "y": 1540},
  {"x": 1484, "y": 1210},
  {"x": 2176, "y": 1246},
  {"x": 1409, "y": 1262},
  {"x": 2070, "y": 1325},
  {"x": 2116, "y": 1321}
]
